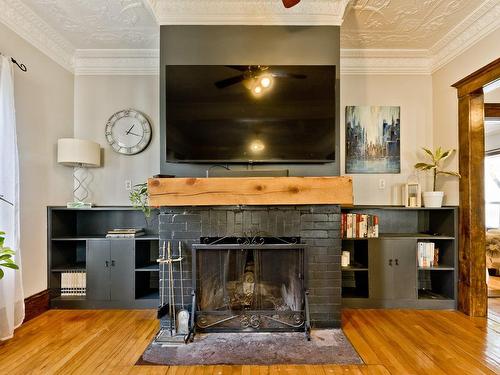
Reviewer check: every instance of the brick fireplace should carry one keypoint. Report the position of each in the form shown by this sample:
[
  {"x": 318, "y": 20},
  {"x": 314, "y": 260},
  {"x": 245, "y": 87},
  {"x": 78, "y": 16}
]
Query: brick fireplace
[{"x": 317, "y": 227}]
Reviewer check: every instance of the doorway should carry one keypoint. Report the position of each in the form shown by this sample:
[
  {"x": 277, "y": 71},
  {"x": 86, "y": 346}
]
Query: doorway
[{"x": 472, "y": 287}]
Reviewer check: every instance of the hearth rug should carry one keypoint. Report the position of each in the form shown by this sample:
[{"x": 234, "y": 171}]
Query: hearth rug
[{"x": 327, "y": 346}]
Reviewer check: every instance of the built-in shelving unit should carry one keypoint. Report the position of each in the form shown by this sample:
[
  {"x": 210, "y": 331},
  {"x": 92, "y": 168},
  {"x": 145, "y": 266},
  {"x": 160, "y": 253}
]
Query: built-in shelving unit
[
  {"x": 126, "y": 272},
  {"x": 384, "y": 271}
]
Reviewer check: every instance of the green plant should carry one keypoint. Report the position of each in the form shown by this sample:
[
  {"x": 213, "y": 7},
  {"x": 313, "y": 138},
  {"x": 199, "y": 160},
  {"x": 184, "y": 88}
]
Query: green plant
[
  {"x": 437, "y": 157},
  {"x": 6, "y": 254},
  {"x": 139, "y": 198}
]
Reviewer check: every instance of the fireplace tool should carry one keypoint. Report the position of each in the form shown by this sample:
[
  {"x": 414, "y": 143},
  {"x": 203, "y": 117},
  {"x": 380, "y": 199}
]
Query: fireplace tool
[
  {"x": 170, "y": 336},
  {"x": 183, "y": 314}
]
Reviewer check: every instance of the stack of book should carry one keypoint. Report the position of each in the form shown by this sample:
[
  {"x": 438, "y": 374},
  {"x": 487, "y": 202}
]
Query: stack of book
[
  {"x": 359, "y": 226},
  {"x": 125, "y": 233},
  {"x": 73, "y": 283},
  {"x": 426, "y": 256}
]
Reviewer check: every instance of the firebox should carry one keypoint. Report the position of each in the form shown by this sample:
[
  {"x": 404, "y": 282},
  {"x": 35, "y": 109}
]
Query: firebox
[{"x": 250, "y": 283}]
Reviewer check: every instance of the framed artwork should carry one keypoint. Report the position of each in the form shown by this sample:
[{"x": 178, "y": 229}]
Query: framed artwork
[{"x": 372, "y": 136}]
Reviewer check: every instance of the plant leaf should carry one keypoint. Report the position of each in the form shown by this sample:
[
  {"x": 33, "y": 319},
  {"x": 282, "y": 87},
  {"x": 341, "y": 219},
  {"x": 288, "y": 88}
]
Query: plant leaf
[
  {"x": 450, "y": 173},
  {"x": 10, "y": 265},
  {"x": 6, "y": 250},
  {"x": 447, "y": 154},
  {"x": 429, "y": 152},
  {"x": 424, "y": 166},
  {"x": 5, "y": 257},
  {"x": 1, "y": 273}
]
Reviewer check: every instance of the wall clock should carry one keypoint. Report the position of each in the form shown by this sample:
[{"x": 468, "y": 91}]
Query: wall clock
[{"x": 128, "y": 132}]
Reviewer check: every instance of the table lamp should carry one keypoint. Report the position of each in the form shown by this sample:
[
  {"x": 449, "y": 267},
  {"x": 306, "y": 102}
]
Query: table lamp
[{"x": 79, "y": 154}]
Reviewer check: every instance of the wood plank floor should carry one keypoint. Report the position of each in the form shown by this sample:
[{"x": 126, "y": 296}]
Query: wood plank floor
[{"x": 389, "y": 341}]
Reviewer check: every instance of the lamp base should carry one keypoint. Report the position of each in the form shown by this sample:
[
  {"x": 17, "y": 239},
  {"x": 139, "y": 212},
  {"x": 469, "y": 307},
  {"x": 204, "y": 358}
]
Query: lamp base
[{"x": 79, "y": 205}]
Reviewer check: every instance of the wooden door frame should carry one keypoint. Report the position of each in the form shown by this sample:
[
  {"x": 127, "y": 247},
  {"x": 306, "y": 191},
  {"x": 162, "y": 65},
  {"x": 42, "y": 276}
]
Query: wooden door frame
[{"x": 472, "y": 289}]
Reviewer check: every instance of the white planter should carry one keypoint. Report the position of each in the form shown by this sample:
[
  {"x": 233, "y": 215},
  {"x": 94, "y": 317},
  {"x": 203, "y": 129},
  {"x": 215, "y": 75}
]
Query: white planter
[{"x": 433, "y": 198}]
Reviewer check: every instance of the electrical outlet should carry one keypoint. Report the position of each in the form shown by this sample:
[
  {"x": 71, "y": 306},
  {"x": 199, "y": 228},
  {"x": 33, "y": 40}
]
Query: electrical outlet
[
  {"x": 128, "y": 185},
  {"x": 381, "y": 184}
]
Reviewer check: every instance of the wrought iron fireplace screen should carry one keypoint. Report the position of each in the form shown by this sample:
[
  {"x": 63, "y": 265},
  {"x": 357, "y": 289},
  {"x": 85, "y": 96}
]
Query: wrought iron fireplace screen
[{"x": 255, "y": 283}]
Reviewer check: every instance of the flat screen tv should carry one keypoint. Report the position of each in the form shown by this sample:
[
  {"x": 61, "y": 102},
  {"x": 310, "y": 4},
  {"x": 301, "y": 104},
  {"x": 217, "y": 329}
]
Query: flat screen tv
[{"x": 250, "y": 114}]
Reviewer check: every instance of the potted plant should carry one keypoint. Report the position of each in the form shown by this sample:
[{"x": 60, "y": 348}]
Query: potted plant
[
  {"x": 492, "y": 250},
  {"x": 6, "y": 254},
  {"x": 435, "y": 198},
  {"x": 139, "y": 198}
]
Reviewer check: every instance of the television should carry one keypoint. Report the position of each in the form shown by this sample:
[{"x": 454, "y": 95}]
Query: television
[{"x": 250, "y": 113}]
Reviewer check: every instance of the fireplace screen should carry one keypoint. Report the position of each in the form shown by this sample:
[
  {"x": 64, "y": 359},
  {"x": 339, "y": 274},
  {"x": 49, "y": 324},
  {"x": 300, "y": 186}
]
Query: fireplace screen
[{"x": 250, "y": 284}]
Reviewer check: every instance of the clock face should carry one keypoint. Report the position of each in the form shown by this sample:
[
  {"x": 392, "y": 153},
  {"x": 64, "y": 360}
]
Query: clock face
[{"x": 128, "y": 132}]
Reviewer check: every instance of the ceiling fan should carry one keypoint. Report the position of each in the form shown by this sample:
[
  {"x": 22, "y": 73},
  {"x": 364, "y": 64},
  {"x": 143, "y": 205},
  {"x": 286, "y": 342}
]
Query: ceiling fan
[
  {"x": 290, "y": 3},
  {"x": 260, "y": 75}
]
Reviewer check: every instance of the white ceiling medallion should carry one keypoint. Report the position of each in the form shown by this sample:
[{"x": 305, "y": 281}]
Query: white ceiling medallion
[{"x": 247, "y": 12}]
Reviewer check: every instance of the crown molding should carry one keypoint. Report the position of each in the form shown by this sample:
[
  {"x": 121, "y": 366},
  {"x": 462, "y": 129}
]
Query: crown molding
[
  {"x": 117, "y": 62},
  {"x": 384, "y": 61},
  {"x": 248, "y": 12},
  {"x": 484, "y": 20},
  {"x": 29, "y": 26}
]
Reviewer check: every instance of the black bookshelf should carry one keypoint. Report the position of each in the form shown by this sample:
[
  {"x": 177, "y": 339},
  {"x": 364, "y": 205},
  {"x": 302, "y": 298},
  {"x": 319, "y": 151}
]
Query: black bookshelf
[
  {"x": 77, "y": 242},
  {"x": 384, "y": 272}
]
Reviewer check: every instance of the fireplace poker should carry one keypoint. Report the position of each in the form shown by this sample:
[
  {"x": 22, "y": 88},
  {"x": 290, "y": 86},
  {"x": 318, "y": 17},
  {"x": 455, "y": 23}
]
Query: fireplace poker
[
  {"x": 171, "y": 297},
  {"x": 183, "y": 314}
]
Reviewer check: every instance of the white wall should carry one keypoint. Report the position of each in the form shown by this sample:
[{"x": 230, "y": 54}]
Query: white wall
[
  {"x": 44, "y": 109},
  {"x": 445, "y": 103},
  {"x": 413, "y": 93},
  {"x": 96, "y": 99}
]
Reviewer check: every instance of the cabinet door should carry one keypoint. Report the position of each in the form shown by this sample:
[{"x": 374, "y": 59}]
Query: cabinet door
[
  {"x": 122, "y": 269},
  {"x": 381, "y": 269},
  {"x": 98, "y": 266},
  {"x": 405, "y": 268}
]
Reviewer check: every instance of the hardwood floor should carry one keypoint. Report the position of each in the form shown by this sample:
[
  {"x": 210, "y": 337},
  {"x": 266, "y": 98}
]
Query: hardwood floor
[{"x": 389, "y": 341}]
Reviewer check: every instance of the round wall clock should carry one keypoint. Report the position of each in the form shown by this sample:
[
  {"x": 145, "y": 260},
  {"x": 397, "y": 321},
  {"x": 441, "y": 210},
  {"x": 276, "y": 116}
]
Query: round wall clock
[{"x": 128, "y": 132}]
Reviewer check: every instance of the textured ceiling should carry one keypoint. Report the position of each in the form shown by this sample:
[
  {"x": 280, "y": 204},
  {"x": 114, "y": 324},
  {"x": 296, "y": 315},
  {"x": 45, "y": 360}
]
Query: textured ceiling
[
  {"x": 88, "y": 24},
  {"x": 402, "y": 24}
]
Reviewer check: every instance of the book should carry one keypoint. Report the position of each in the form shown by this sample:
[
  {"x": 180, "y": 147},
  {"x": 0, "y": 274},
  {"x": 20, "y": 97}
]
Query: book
[
  {"x": 125, "y": 230},
  {"x": 125, "y": 235},
  {"x": 425, "y": 254},
  {"x": 73, "y": 283},
  {"x": 358, "y": 225}
]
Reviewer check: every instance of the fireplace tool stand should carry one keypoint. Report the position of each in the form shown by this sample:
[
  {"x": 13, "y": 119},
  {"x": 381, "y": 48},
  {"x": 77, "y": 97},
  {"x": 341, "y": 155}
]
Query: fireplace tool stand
[{"x": 170, "y": 336}]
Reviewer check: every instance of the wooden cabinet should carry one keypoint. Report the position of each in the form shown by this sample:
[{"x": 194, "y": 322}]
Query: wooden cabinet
[
  {"x": 392, "y": 264},
  {"x": 110, "y": 263}
]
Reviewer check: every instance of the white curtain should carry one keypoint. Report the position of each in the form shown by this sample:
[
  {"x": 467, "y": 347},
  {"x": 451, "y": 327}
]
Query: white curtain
[{"x": 11, "y": 291}]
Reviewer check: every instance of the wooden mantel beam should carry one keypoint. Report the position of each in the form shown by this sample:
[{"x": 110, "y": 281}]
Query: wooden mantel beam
[{"x": 215, "y": 191}]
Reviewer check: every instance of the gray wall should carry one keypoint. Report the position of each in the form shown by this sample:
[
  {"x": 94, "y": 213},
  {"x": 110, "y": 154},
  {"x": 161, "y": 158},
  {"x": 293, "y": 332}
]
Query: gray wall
[{"x": 249, "y": 45}]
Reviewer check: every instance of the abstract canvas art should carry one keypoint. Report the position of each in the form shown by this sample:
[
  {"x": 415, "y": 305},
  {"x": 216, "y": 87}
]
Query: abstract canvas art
[{"x": 372, "y": 136}]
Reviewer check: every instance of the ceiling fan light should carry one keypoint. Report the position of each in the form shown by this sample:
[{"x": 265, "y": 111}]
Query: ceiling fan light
[
  {"x": 257, "y": 89},
  {"x": 265, "y": 81}
]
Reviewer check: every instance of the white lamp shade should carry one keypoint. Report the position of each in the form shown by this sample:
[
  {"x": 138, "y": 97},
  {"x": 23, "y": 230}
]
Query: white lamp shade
[{"x": 78, "y": 152}]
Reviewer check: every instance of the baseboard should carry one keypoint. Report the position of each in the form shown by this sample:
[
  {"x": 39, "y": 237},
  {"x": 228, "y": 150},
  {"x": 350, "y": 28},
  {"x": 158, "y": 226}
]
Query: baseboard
[{"x": 36, "y": 305}]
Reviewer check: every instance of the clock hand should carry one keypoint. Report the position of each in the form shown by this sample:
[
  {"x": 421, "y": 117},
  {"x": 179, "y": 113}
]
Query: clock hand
[
  {"x": 137, "y": 135},
  {"x": 128, "y": 131}
]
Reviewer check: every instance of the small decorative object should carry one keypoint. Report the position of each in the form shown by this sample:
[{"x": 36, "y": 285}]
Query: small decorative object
[
  {"x": 412, "y": 192},
  {"x": 128, "y": 132},
  {"x": 372, "y": 139},
  {"x": 80, "y": 154},
  {"x": 436, "y": 257},
  {"x": 6, "y": 254},
  {"x": 435, "y": 198},
  {"x": 346, "y": 259}
]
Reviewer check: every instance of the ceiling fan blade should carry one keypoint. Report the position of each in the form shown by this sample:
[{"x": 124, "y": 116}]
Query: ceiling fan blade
[
  {"x": 229, "y": 81},
  {"x": 290, "y": 3},
  {"x": 240, "y": 68},
  {"x": 288, "y": 75}
]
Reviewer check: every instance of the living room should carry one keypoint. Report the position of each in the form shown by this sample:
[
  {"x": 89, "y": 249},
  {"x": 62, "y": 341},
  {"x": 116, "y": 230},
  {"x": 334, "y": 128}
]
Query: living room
[{"x": 161, "y": 216}]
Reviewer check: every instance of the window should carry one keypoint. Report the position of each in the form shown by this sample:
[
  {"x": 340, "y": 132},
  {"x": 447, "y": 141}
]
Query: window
[{"x": 492, "y": 190}]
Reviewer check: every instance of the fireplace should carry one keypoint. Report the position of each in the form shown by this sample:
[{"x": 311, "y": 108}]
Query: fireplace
[
  {"x": 252, "y": 265},
  {"x": 250, "y": 283}
]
